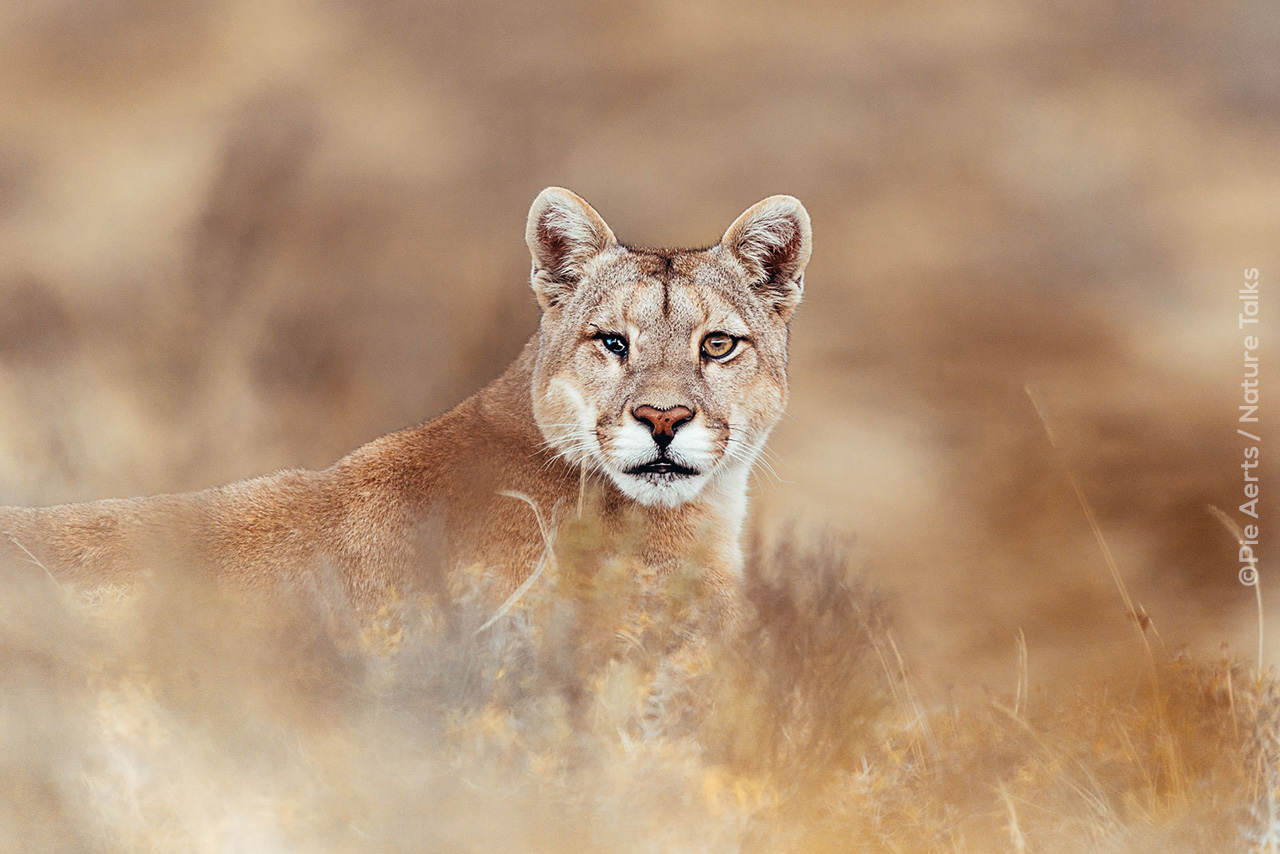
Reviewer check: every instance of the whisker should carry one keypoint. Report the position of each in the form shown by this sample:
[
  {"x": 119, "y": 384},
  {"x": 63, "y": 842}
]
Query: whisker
[{"x": 764, "y": 466}]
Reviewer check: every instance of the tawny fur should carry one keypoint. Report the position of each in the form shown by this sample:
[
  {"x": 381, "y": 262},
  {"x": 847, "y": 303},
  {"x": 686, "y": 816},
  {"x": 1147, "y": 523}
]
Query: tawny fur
[{"x": 407, "y": 509}]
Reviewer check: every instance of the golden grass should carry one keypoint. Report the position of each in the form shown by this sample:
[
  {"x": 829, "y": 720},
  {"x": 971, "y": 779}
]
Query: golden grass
[{"x": 180, "y": 717}]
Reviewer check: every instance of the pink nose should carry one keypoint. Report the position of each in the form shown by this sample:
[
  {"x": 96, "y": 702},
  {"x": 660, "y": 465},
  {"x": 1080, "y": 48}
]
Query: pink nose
[{"x": 663, "y": 422}]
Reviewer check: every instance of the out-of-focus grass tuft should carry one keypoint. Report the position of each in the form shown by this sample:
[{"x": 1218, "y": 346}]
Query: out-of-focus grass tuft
[{"x": 589, "y": 717}]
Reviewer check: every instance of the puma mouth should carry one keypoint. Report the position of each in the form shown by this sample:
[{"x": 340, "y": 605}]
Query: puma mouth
[{"x": 663, "y": 466}]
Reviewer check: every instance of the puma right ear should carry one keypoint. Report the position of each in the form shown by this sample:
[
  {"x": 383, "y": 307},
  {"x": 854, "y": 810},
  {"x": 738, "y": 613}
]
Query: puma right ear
[
  {"x": 563, "y": 233},
  {"x": 772, "y": 241}
]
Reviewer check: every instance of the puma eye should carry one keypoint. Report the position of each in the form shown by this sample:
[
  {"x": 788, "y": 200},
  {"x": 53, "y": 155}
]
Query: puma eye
[
  {"x": 615, "y": 344},
  {"x": 718, "y": 345}
]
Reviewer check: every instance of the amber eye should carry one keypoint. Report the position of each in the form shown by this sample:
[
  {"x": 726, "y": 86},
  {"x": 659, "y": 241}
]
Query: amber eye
[{"x": 717, "y": 345}]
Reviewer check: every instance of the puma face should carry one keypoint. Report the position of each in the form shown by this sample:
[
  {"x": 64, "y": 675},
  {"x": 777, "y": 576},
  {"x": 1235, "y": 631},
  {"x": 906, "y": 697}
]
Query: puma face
[{"x": 663, "y": 369}]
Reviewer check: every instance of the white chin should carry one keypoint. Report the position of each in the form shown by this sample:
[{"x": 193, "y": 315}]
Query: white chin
[{"x": 659, "y": 490}]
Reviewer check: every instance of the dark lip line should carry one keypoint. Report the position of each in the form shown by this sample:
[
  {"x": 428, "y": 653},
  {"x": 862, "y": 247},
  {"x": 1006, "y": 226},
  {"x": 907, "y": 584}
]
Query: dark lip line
[{"x": 662, "y": 465}]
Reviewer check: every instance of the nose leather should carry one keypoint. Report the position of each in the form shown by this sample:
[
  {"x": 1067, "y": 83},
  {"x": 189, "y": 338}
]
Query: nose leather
[{"x": 663, "y": 423}]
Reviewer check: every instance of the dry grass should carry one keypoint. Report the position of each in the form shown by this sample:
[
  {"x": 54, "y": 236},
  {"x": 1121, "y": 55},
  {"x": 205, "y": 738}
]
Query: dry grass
[
  {"x": 244, "y": 235},
  {"x": 179, "y": 717}
]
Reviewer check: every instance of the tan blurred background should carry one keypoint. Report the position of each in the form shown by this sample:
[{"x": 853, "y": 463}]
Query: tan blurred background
[{"x": 240, "y": 236}]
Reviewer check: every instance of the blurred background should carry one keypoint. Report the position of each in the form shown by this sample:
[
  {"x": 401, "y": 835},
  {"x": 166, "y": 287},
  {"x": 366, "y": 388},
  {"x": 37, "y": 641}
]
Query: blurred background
[{"x": 239, "y": 236}]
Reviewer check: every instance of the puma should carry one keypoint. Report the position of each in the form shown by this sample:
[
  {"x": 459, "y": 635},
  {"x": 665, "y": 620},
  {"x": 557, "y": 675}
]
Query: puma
[{"x": 645, "y": 396}]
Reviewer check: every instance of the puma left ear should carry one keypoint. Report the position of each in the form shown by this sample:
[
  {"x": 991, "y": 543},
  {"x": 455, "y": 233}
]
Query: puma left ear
[
  {"x": 772, "y": 241},
  {"x": 563, "y": 233}
]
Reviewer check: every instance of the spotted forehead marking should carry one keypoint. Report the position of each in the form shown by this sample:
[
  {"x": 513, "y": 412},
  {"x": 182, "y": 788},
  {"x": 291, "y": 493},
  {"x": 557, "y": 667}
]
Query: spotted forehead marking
[
  {"x": 656, "y": 264},
  {"x": 640, "y": 283}
]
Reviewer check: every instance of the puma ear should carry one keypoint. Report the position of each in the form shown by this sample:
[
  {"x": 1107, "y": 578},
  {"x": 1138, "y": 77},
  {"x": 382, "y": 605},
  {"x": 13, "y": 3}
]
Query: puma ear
[
  {"x": 772, "y": 241},
  {"x": 563, "y": 233}
]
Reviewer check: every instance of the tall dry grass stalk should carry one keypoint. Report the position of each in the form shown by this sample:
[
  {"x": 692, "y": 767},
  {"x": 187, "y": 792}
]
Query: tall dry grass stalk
[{"x": 1263, "y": 743}]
